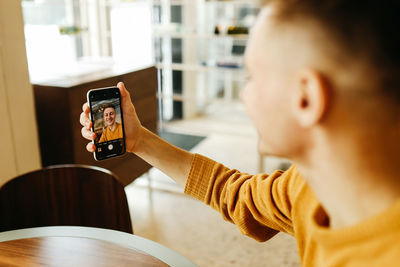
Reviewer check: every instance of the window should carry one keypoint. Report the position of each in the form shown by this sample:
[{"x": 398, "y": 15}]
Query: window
[{"x": 75, "y": 37}]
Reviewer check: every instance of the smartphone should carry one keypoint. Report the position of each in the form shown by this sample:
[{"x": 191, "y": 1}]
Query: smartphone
[{"x": 107, "y": 122}]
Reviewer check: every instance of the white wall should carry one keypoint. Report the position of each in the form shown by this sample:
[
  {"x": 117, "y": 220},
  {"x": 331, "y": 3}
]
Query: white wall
[{"x": 19, "y": 151}]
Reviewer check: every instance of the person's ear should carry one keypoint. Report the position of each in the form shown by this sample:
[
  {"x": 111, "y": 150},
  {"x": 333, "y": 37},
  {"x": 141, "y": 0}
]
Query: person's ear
[{"x": 310, "y": 98}]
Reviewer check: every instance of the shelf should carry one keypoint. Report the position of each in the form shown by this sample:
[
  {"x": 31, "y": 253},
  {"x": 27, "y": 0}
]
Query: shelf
[
  {"x": 211, "y": 68},
  {"x": 190, "y": 67},
  {"x": 242, "y": 37}
]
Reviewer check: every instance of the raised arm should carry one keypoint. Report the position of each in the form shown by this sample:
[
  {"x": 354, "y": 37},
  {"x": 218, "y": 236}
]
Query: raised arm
[{"x": 259, "y": 205}]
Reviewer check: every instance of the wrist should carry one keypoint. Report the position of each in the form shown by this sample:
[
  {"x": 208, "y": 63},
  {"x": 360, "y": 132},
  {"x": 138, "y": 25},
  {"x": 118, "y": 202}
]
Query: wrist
[{"x": 139, "y": 140}]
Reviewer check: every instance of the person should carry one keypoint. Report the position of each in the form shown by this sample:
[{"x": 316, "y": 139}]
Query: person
[
  {"x": 324, "y": 92},
  {"x": 113, "y": 129}
]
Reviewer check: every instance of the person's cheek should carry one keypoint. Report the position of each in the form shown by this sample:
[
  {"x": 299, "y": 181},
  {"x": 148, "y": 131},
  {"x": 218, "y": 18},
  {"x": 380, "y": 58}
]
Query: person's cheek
[
  {"x": 244, "y": 93},
  {"x": 249, "y": 97}
]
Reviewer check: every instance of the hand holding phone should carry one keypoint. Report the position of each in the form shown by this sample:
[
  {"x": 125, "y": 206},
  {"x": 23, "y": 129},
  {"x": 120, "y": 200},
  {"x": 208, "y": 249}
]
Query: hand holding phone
[
  {"x": 143, "y": 142},
  {"x": 131, "y": 124},
  {"x": 107, "y": 122}
]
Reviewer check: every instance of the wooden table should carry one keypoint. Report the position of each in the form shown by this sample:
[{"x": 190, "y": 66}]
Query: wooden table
[{"x": 83, "y": 246}]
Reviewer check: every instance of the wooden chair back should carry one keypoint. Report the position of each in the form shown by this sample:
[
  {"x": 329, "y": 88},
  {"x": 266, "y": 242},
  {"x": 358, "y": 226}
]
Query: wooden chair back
[{"x": 73, "y": 195}]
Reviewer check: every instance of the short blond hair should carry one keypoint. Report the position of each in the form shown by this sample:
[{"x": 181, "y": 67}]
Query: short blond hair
[{"x": 359, "y": 28}]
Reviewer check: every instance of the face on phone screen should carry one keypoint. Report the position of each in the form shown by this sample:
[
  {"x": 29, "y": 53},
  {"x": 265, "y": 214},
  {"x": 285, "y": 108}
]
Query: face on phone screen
[{"x": 107, "y": 120}]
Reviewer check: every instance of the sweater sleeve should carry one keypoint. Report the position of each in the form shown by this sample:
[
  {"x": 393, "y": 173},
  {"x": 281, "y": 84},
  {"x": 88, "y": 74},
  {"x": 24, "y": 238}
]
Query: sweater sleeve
[{"x": 260, "y": 205}]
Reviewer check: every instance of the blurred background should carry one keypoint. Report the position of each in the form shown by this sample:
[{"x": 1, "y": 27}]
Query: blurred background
[
  {"x": 197, "y": 45},
  {"x": 183, "y": 61}
]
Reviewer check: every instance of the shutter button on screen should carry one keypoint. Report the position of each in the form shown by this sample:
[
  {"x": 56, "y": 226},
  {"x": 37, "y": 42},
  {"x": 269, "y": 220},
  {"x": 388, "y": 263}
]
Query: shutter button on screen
[{"x": 110, "y": 147}]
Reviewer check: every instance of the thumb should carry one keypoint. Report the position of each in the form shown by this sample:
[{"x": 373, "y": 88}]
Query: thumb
[{"x": 126, "y": 98}]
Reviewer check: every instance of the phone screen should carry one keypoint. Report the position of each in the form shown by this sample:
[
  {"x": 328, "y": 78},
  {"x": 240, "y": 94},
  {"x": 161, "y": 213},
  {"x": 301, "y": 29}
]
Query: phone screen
[{"x": 107, "y": 122}]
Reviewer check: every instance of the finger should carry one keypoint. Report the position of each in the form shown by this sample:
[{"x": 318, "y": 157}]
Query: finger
[
  {"x": 89, "y": 135},
  {"x": 85, "y": 108},
  {"x": 90, "y": 147},
  {"x": 85, "y": 121},
  {"x": 122, "y": 89},
  {"x": 124, "y": 93}
]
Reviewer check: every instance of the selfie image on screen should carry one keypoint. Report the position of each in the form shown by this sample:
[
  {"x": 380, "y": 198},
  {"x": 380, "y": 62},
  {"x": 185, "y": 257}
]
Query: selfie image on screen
[{"x": 107, "y": 120}]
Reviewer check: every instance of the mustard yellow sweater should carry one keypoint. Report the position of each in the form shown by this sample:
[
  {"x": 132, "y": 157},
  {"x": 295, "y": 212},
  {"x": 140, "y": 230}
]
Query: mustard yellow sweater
[
  {"x": 261, "y": 205},
  {"x": 109, "y": 135}
]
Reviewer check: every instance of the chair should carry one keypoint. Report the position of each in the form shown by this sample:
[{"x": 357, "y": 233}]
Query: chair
[{"x": 73, "y": 195}]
